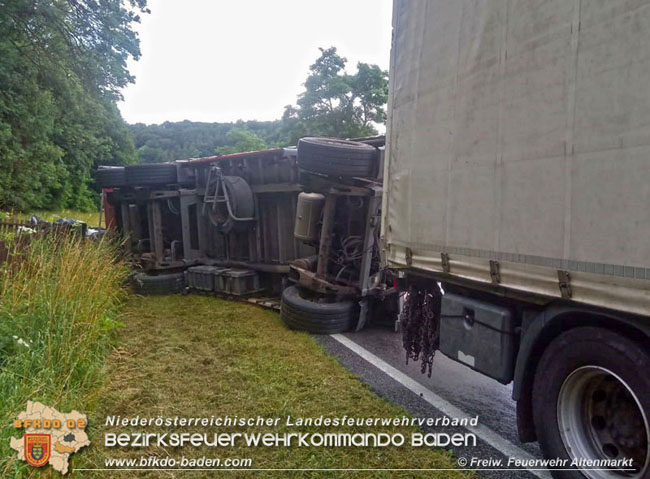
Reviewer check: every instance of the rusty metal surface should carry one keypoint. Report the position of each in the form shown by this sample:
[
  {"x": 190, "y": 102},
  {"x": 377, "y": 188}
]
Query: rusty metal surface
[
  {"x": 314, "y": 283},
  {"x": 267, "y": 244},
  {"x": 232, "y": 156},
  {"x": 326, "y": 236}
]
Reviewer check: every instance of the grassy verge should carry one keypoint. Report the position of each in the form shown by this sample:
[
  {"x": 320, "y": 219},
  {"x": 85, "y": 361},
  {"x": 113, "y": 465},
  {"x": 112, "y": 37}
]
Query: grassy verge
[
  {"x": 90, "y": 218},
  {"x": 58, "y": 298},
  {"x": 196, "y": 356}
]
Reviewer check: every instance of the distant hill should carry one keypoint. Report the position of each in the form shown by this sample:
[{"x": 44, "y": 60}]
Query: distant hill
[{"x": 180, "y": 140}]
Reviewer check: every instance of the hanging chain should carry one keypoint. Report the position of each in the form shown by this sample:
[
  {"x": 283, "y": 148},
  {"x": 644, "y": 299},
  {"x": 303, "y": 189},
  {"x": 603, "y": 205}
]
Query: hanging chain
[{"x": 420, "y": 326}]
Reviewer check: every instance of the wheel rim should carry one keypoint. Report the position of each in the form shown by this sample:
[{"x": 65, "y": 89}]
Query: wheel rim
[{"x": 600, "y": 417}]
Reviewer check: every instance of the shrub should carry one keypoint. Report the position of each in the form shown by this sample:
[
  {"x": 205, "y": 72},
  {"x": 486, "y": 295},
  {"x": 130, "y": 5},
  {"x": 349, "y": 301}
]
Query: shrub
[{"x": 58, "y": 300}]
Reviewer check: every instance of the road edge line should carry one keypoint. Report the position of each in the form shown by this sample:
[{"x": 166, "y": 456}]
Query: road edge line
[{"x": 489, "y": 436}]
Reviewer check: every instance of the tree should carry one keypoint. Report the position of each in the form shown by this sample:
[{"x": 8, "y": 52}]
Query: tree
[
  {"x": 172, "y": 141},
  {"x": 334, "y": 103},
  {"x": 62, "y": 63},
  {"x": 241, "y": 140},
  {"x": 338, "y": 104}
]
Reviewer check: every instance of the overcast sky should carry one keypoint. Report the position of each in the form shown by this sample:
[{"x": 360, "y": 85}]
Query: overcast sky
[{"x": 224, "y": 60}]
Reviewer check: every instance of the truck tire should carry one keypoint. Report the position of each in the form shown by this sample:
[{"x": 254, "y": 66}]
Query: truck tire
[
  {"x": 334, "y": 157},
  {"x": 591, "y": 398},
  {"x": 161, "y": 284},
  {"x": 151, "y": 174},
  {"x": 110, "y": 177},
  {"x": 242, "y": 203},
  {"x": 299, "y": 313}
]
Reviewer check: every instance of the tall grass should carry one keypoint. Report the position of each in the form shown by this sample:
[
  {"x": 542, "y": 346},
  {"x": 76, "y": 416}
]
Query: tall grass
[
  {"x": 58, "y": 300},
  {"x": 91, "y": 218}
]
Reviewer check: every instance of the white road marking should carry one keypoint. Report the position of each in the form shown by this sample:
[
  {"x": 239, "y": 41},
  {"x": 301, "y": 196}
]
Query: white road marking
[{"x": 498, "y": 442}]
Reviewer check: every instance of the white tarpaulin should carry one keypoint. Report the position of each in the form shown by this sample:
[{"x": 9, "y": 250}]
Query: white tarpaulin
[{"x": 519, "y": 132}]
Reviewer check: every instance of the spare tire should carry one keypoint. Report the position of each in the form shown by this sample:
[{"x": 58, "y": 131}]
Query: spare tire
[
  {"x": 241, "y": 196},
  {"x": 334, "y": 157},
  {"x": 161, "y": 284},
  {"x": 151, "y": 174},
  {"x": 242, "y": 203},
  {"x": 110, "y": 176},
  {"x": 298, "y": 312}
]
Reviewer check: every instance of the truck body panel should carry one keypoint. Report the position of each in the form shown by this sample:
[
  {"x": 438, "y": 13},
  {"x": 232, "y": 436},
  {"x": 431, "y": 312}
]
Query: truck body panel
[{"x": 518, "y": 147}]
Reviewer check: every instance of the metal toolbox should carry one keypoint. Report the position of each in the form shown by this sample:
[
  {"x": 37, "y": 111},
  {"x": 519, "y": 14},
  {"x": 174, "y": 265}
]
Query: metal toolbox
[
  {"x": 200, "y": 277},
  {"x": 241, "y": 281},
  {"x": 220, "y": 279},
  {"x": 478, "y": 334}
]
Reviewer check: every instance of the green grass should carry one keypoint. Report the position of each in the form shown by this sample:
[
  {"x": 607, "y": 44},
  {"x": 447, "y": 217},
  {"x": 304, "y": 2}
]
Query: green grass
[
  {"x": 59, "y": 298},
  {"x": 90, "y": 218},
  {"x": 189, "y": 356},
  {"x": 197, "y": 356}
]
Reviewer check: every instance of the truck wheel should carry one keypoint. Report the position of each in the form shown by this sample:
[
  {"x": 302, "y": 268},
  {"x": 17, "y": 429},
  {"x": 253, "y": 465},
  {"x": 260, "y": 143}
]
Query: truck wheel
[
  {"x": 334, "y": 157},
  {"x": 300, "y": 312},
  {"x": 110, "y": 176},
  {"x": 161, "y": 284},
  {"x": 591, "y": 397},
  {"x": 242, "y": 203},
  {"x": 151, "y": 174}
]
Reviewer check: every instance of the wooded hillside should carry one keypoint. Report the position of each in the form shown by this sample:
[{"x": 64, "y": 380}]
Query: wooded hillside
[{"x": 63, "y": 64}]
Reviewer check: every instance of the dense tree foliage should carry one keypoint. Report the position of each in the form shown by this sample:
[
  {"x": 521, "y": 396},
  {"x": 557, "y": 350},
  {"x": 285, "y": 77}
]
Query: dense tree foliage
[
  {"x": 334, "y": 103},
  {"x": 62, "y": 63},
  {"x": 338, "y": 104},
  {"x": 239, "y": 140},
  {"x": 172, "y": 141}
]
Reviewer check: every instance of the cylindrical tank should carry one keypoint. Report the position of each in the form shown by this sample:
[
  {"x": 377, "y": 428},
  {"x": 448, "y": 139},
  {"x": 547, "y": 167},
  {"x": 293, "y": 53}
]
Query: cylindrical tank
[{"x": 308, "y": 211}]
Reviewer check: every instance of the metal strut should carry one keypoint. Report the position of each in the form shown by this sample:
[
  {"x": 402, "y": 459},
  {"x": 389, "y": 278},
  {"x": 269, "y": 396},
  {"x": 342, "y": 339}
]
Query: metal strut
[{"x": 219, "y": 195}]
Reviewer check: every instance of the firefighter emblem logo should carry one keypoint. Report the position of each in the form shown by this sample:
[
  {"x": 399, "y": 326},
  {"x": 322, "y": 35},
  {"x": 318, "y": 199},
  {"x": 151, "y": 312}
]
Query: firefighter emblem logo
[{"x": 37, "y": 449}]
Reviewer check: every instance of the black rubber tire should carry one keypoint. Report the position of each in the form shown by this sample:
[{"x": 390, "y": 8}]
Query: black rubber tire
[
  {"x": 334, "y": 157},
  {"x": 110, "y": 176},
  {"x": 242, "y": 203},
  {"x": 317, "y": 318},
  {"x": 151, "y": 174},
  {"x": 241, "y": 196},
  {"x": 161, "y": 284},
  {"x": 585, "y": 346}
]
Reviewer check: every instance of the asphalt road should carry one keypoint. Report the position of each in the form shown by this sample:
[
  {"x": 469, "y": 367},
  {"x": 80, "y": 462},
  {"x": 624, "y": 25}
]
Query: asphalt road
[{"x": 472, "y": 393}]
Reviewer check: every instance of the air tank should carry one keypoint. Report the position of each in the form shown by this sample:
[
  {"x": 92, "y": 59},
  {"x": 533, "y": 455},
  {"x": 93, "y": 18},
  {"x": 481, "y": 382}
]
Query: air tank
[{"x": 308, "y": 211}]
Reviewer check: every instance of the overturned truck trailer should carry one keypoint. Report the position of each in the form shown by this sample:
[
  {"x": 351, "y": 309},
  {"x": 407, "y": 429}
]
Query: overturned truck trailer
[
  {"x": 518, "y": 178},
  {"x": 300, "y": 224}
]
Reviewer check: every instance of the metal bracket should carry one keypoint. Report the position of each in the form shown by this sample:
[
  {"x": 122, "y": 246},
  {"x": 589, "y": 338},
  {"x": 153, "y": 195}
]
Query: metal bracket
[
  {"x": 312, "y": 282},
  {"x": 564, "y": 282},
  {"x": 444, "y": 257},
  {"x": 363, "y": 314},
  {"x": 495, "y": 271},
  {"x": 215, "y": 198},
  {"x": 409, "y": 257}
]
